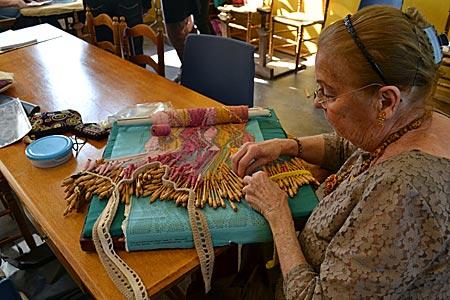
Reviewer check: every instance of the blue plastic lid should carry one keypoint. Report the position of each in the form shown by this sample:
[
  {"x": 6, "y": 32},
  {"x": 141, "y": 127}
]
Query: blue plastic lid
[{"x": 49, "y": 147}]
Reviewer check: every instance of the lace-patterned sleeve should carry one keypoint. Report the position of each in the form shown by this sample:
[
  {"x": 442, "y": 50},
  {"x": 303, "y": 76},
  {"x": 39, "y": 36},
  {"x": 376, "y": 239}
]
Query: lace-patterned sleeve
[
  {"x": 385, "y": 234},
  {"x": 337, "y": 150}
]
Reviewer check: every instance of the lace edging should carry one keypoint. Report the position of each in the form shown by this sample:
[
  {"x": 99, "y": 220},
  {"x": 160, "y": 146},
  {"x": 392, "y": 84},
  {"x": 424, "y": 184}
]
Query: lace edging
[{"x": 125, "y": 278}]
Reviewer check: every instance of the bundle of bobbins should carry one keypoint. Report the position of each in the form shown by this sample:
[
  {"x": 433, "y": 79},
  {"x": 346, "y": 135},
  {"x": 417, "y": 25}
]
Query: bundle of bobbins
[
  {"x": 290, "y": 175},
  {"x": 219, "y": 187}
]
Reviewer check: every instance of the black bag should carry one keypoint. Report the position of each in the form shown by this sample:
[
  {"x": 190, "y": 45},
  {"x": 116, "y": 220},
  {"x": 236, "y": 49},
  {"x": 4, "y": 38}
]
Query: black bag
[{"x": 54, "y": 122}]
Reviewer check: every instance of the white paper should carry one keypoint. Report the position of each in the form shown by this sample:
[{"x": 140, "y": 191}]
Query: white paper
[
  {"x": 13, "y": 39},
  {"x": 39, "y": 3}
]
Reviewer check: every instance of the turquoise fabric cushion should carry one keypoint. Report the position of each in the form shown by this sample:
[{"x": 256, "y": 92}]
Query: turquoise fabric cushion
[{"x": 163, "y": 225}]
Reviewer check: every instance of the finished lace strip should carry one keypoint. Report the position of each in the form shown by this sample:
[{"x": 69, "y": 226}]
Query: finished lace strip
[
  {"x": 125, "y": 279},
  {"x": 202, "y": 240}
]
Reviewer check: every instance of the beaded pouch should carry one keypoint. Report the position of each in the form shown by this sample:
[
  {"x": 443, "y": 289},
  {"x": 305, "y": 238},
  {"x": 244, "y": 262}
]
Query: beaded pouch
[
  {"x": 54, "y": 122},
  {"x": 91, "y": 131}
]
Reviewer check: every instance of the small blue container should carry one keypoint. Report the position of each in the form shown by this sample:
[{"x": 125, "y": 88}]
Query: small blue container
[{"x": 50, "y": 151}]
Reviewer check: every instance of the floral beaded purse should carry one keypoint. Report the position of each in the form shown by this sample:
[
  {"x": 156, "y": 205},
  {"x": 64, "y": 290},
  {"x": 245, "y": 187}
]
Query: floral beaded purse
[{"x": 54, "y": 122}]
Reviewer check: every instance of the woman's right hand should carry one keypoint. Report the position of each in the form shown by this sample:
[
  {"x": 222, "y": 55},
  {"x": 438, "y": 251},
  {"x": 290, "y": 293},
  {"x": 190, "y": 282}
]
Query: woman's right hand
[
  {"x": 17, "y": 3},
  {"x": 252, "y": 155}
]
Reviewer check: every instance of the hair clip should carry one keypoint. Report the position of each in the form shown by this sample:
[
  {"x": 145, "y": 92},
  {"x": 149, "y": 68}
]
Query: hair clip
[
  {"x": 435, "y": 43},
  {"x": 443, "y": 39}
]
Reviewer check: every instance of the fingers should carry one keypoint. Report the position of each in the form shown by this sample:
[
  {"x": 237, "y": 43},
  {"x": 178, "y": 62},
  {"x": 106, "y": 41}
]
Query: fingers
[
  {"x": 262, "y": 194},
  {"x": 256, "y": 184},
  {"x": 250, "y": 193},
  {"x": 241, "y": 160},
  {"x": 253, "y": 155},
  {"x": 247, "y": 180}
]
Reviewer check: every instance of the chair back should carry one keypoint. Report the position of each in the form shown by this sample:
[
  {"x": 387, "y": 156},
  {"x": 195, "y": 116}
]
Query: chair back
[
  {"x": 318, "y": 10},
  {"x": 395, "y": 3},
  {"x": 303, "y": 25},
  {"x": 220, "y": 68},
  {"x": 106, "y": 21},
  {"x": 156, "y": 37}
]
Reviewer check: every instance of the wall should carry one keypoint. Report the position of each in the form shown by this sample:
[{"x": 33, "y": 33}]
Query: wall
[{"x": 436, "y": 11}]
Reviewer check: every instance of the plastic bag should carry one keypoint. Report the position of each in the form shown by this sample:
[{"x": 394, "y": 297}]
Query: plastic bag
[{"x": 136, "y": 112}]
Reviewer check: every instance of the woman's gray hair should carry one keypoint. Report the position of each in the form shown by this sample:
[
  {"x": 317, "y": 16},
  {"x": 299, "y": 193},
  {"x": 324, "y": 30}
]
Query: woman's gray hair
[{"x": 396, "y": 42}]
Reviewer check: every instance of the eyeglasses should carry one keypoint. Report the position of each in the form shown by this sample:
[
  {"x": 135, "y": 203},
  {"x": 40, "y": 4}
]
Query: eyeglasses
[{"x": 323, "y": 99}]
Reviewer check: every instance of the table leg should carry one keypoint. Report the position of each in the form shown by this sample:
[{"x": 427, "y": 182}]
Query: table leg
[{"x": 263, "y": 34}]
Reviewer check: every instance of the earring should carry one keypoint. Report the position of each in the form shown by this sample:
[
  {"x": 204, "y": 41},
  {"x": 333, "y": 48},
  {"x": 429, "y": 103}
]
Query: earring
[{"x": 381, "y": 119}]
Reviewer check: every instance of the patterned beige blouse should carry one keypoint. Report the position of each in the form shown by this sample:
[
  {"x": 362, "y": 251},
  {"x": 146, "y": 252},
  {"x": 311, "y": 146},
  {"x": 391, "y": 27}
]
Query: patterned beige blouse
[{"x": 384, "y": 235}]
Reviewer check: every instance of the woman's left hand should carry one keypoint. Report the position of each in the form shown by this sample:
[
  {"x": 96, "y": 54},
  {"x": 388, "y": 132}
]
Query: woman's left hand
[{"x": 264, "y": 195}]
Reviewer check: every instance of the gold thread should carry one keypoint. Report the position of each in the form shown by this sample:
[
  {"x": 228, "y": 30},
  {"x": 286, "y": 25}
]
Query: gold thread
[{"x": 289, "y": 174}]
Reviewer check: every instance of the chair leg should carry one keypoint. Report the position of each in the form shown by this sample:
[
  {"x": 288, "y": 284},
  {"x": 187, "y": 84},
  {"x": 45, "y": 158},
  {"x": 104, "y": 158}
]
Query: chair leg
[
  {"x": 271, "y": 46},
  {"x": 225, "y": 19},
  {"x": 248, "y": 36},
  {"x": 298, "y": 47}
]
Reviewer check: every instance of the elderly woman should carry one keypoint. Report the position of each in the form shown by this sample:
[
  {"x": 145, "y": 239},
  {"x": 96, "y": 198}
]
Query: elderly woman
[{"x": 381, "y": 229}]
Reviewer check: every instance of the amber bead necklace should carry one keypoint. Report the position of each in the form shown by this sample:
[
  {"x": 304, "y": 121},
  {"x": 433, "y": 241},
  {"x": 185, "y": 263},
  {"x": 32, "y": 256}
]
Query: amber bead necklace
[{"x": 334, "y": 180}]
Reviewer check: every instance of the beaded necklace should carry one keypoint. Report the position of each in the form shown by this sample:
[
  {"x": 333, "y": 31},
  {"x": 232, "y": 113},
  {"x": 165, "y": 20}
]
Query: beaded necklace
[{"x": 334, "y": 180}]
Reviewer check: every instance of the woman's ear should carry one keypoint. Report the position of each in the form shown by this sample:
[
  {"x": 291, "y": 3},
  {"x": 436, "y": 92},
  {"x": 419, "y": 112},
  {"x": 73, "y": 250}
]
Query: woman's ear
[{"x": 389, "y": 98}]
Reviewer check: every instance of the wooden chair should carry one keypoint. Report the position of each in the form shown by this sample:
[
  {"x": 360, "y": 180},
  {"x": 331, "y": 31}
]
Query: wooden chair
[
  {"x": 105, "y": 20},
  {"x": 241, "y": 22},
  {"x": 12, "y": 209},
  {"x": 157, "y": 38},
  {"x": 147, "y": 33},
  {"x": 289, "y": 28}
]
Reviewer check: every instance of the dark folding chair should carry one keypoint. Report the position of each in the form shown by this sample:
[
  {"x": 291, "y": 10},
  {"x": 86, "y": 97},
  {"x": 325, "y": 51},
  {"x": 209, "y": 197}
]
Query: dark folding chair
[
  {"x": 220, "y": 68},
  {"x": 8, "y": 290},
  {"x": 395, "y": 3}
]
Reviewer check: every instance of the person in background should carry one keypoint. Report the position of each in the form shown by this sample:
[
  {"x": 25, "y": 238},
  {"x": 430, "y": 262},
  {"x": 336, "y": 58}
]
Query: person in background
[
  {"x": 11, "y": 8},
  {"x": 201, "y": 18},
  {"x": 381, "y": 227},
  {"x": 132, "y": 10},
  {"x": 183, "y": 17},
  {"x": 178, "y": 16}
]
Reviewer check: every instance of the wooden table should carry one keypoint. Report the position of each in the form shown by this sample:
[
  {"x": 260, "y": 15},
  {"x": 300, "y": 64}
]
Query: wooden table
[
  {"x": 67, "y": 72},
  {"x": 62, "y": 11}
]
